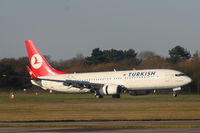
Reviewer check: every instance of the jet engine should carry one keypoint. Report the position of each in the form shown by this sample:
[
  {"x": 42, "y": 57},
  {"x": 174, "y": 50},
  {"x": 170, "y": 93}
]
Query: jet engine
[{"x": 110, "y": 89}]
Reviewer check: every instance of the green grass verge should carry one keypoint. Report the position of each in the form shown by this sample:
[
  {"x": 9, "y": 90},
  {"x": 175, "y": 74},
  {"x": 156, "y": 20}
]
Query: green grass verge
[
  {"x": 84, "y": 107},
  {"x": 27, "y": 98}
]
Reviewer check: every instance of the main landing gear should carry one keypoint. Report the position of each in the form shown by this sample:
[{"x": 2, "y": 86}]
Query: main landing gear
[
  {"x": 116, "y": 96},
  {"x": 98, "y": 96}
]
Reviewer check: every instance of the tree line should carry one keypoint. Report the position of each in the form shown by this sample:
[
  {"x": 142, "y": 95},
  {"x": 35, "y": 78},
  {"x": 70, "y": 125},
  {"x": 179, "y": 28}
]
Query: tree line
[{"x": 106, "y": 60}]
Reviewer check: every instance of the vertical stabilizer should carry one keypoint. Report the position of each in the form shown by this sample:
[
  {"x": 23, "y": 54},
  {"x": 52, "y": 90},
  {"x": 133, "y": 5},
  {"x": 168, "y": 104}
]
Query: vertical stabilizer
[{"x": 39, "y": 65}]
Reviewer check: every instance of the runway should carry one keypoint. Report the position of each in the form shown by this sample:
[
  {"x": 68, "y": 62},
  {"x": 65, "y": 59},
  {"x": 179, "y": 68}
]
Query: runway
[
  {"x": 94, "y": 130},
  {"x": 106, "y": 122},
  {"x": 79, "y": 129}
]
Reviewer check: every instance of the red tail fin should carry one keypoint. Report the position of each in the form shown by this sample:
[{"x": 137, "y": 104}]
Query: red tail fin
[{"x": 39, "y": 65}]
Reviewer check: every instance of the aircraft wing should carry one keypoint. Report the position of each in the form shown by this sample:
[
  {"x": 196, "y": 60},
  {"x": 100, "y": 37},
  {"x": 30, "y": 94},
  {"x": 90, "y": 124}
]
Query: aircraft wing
[
  {"x": 76, "y": 83},
  {"x": 80, "y": 84}
]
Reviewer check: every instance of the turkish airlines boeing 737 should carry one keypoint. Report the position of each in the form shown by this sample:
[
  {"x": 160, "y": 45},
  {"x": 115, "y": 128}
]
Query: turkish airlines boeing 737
[{"x": 101, "y": 83}]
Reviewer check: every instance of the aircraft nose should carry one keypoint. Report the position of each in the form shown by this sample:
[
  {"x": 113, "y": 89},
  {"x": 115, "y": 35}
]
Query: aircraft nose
[{"x": 188, "y": 80}]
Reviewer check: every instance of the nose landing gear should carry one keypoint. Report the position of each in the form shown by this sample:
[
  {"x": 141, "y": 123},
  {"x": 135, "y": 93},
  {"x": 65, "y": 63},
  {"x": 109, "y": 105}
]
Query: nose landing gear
[
  {"x": 174, "y": 94},
  {"x": 174, "y": 91}
]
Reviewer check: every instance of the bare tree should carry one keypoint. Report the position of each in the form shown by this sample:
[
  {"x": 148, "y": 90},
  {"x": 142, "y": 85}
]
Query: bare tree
[{"x": 145, "y": 54}]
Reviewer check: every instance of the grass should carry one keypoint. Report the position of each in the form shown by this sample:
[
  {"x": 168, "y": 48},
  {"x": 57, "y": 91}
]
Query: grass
[
  {"x": 84, "y": 107},
  {"x": 95, "y": 111},
  {"x": 43, "y": 98}
]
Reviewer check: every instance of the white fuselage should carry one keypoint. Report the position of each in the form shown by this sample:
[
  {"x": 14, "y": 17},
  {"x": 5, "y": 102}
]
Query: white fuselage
[{"x": 132, "y": 80}]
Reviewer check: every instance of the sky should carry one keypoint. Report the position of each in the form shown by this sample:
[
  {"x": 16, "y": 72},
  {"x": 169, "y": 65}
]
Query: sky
[{"x": 66, "y": 28}]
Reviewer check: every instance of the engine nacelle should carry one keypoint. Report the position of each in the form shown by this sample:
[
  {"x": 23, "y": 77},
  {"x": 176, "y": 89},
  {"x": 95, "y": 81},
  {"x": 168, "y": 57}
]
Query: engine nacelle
[{"x": 110, "y": 89}]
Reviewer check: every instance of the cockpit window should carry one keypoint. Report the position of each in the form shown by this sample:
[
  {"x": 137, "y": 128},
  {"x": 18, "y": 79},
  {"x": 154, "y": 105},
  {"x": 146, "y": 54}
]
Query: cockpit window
[{"x": 180, "y": 74}]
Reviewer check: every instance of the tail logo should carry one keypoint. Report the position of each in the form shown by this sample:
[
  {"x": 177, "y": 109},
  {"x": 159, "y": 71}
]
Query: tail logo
[{"x": 36, "y": 61}]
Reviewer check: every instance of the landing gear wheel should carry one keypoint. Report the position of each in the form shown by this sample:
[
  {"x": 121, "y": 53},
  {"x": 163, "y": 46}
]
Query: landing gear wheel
[
  {"x": 116, "y": 96},
  {"x": 174, "y": 94},
  {"x": 98, "y": 96}
]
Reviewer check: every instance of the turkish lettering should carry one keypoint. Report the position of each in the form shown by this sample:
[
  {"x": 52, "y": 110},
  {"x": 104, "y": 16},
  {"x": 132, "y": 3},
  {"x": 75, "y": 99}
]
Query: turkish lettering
[{"x": 136, "y": 74}]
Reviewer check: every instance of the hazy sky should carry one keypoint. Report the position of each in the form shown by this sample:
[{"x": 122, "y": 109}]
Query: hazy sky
[{"x": 64, "y": 28}]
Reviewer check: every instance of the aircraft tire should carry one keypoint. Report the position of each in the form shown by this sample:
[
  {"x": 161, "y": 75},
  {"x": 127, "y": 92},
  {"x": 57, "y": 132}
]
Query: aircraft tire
[
  {"x": 98, "y": 96},
  {"x": 174, "y": 94}
]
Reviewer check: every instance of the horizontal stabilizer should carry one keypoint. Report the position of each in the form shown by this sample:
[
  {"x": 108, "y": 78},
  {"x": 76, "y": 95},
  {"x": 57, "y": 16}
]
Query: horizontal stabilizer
[{"x": 32, "y": 75}]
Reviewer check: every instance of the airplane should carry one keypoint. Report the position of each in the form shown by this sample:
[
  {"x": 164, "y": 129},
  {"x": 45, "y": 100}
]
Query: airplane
[{"x": 101, "y": 84}]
